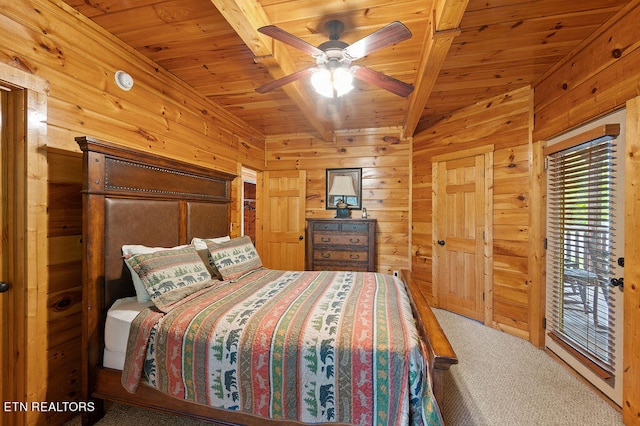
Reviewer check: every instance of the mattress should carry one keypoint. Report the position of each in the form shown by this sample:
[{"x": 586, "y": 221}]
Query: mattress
[{"x": 116, "y": 333}]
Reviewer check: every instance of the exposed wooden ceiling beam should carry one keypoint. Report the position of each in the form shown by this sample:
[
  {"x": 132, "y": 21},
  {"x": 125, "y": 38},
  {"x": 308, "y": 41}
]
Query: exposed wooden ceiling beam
[
  {"x": 443, "y": 28},
  {"x": 246, "y": 16}
]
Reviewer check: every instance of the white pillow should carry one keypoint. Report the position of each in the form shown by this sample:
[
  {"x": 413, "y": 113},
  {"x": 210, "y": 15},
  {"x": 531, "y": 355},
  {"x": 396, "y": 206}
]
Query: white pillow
[
  {"x": 201, "y": 243},
  {"x": 132, "y": 249}
]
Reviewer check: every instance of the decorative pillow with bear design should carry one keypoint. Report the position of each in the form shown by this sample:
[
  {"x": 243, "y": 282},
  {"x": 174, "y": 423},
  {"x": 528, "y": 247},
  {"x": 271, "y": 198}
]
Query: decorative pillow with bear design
[
  {"x": 203, "y": 251},
  {"x": 171, "y": 275},
  {"x": 235, "y": 258},
  {"x": 129, "y": 250}
]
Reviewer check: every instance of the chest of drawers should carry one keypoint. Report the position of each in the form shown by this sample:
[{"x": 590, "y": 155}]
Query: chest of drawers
[{"x": 341, "y": 244}]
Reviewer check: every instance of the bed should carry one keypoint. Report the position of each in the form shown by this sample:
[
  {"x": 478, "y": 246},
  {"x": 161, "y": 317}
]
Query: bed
[{"x": 131, "y": 197}]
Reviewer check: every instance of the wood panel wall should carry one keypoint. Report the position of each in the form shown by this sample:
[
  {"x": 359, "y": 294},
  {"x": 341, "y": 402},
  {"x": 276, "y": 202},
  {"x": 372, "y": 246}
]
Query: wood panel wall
[
  {"x": 631, "y": 347},
  {"x": 159, "y": 114},
  {"x": 505, "y": 122},
  {"x": 49, "y": 41},
  {"x": 385, "y": 162},
  {"x": 598, "y": 77},
  {"x": 64, "y": 293}
]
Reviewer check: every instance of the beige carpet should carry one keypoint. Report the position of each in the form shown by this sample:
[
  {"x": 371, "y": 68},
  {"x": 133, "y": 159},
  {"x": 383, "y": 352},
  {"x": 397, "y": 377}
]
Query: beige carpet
[
  {"x": 504, "y": 380},
  {"x": 500, "y": 380}
]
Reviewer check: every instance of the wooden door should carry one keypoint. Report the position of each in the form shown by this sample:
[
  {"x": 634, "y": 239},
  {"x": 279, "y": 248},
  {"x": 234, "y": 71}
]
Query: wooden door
[
  {"x": 461, "y": 233},
  {"x": 11, "y": 300},
  {"x": 6, "y": 327},
  {"x": 23, "y": 246},
  {"x": 282, "y": 212}
]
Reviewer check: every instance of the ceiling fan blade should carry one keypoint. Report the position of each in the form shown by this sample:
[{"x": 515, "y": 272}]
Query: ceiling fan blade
[
  {"x": 381, "y": 80},
  {"x": 276, "y": 84},
  {"x": 288, "y": 38},
  {"x": 389, "y": 35}
]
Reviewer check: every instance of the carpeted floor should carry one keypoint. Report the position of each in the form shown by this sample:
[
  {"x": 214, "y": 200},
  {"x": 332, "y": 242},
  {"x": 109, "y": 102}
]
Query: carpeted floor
[
  {"x": 500, "y": 380},
  {"x": 504, "y": 380}
]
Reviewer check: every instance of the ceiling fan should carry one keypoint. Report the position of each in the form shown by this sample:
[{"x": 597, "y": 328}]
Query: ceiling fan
[{"x": 332, "y": 75}]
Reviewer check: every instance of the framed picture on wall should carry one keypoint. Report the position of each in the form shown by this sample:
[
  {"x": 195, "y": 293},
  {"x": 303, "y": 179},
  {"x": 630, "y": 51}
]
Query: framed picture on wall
[{"x": 344, "y": 186}]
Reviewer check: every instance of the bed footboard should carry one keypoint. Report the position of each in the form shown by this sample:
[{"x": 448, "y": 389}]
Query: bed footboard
[{"x": 439, "y": 351}]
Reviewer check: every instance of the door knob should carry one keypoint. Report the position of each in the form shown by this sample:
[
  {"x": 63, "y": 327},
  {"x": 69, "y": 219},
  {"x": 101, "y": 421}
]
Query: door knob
[
  {"x": 4, "y": 287},
  {"x": 441, "y": 242},
  {"x": 300, "y": 237},
  {"x": 617, "y": 282}
]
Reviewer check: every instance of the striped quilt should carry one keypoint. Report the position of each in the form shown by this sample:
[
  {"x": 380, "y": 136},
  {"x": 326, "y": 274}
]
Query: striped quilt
[{"x": 308, "y": 346}]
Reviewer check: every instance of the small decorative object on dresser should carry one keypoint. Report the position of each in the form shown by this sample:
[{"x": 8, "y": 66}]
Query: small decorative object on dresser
[{"x": 341, "y": 244}]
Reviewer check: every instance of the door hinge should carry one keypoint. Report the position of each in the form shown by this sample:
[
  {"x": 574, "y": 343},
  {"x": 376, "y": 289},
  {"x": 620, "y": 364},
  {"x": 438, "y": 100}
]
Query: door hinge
[
  {"x": 483, "y": 296},
  {"x": 545, "y": 243},
  {"x": 544, "y": 323},
  {"x": 546, "y": 163}
]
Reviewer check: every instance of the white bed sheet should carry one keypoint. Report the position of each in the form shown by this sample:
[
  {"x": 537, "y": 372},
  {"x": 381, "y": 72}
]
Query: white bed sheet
[{"x": 116, "y": 331}]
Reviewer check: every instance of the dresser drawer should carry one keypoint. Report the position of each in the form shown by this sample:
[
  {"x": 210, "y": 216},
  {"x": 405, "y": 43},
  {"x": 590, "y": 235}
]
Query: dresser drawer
[
  {"x": 341, "y": 255},
  {"x": 325, "y": 238},
  {"x": 354, "y": 227},
  {"x": 326, "y": 226}
]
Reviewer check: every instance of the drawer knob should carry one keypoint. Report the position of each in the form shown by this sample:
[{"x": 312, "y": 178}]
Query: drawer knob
[
  {"x": 354, "y": 256},
  {"x": 326, "y": 255},
  {"x": 354, "y": 240},
  {"x": 325, "y": 240}
]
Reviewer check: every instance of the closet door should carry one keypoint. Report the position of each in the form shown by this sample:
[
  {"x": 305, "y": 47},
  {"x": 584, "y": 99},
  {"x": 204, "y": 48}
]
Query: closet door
[{"x": 462, "y": 231}]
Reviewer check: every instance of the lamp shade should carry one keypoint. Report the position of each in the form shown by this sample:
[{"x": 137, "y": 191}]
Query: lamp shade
[{"x": 342, "y": 185}]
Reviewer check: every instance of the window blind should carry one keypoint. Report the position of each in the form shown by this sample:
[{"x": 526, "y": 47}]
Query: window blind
[{"x": 580, "y": 228}]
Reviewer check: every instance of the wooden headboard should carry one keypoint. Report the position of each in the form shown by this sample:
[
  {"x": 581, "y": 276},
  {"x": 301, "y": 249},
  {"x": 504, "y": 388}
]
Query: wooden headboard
[{"x": 130, "y": 197}]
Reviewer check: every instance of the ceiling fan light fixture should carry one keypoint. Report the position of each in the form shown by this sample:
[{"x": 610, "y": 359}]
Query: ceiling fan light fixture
[
  {"x": 333, "y": 74},
  {"x": 335, "y": 82},
  {"x": 321, "y": 81},
  {"x": 342, "y": 81}
]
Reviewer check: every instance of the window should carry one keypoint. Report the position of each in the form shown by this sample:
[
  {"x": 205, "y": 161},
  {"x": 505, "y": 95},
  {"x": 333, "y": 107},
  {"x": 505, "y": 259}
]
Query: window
[{"x": 581, "y": 238}]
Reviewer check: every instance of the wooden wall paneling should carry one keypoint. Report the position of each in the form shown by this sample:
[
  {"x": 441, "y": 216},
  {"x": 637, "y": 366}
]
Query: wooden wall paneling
[
  {"x": 85, "y": 99},
  {"x": 594, "y": 79},
  {"x": 160, "y": 114},
  {"x": 511, "y": 273},
  {"x": 631, "y": 347},
  {"x": 537, "y": 253},
  {"x": 384, "y": 159},
  {"x": 422, "y": 224},
  {"x": 64, "y": 293}
]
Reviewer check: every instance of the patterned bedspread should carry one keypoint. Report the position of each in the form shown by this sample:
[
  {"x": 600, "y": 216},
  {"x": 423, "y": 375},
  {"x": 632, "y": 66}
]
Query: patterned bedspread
[{"x": 310, "y": 346}]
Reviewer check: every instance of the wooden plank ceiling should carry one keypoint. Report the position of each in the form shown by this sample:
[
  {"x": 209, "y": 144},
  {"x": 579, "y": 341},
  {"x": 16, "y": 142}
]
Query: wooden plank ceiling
[{"x": 461, "y": 52}]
